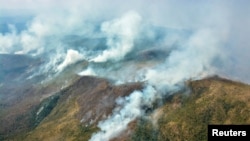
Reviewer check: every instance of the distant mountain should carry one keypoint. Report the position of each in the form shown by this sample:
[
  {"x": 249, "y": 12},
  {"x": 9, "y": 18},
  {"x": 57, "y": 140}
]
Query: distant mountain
[{"x": 17, "y": 67}]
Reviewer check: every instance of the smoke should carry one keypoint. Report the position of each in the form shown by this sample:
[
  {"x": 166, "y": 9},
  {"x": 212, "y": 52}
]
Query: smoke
[
  {"x": 129, "y": 109},
  {"x": 8, "y": 40},
  {"x": 72, "y": 57},
  {"x": 121, "y": 34},
  {"x": 88, "y": 72},
  {"x": 33, "y": 39},
  {"x": 192, "y": 60},
  {"x": 201, "y": 38}
]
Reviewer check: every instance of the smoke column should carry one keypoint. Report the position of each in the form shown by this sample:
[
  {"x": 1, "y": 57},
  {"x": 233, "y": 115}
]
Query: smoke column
[
  {"x": 121, "y": 34},
  {"x": 129, "y": 110},
  {"x": 72, "y": 57}
]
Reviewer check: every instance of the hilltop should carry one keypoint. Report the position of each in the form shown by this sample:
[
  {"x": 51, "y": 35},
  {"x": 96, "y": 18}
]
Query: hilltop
[{"x": 73, "y": 113}]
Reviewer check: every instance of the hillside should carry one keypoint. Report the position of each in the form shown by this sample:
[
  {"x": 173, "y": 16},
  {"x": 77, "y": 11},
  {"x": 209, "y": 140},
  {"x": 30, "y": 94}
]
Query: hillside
[
  {"x": 185, "y": 117},
  {"x": 73, "y": 113}
]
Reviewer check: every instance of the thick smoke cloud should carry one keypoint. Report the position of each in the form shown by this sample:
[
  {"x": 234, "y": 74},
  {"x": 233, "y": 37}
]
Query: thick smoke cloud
[
  {"x": 9, "y": 40},
  {"x": 192, "y": 60},
  {"x": 43, "y": 33},
  {"x": 121, "y": 34},
  {"x": 129, "y": 109},
  {"x": 72, "y": 57}
]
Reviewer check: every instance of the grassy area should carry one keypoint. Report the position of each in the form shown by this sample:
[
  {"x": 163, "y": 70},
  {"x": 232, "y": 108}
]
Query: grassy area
[
  {"x": 61, "y": 124},
  {"x": 185, "y": 117},
  {"x": 55, "y": 119},
  {"x": 145, "y": 131}
]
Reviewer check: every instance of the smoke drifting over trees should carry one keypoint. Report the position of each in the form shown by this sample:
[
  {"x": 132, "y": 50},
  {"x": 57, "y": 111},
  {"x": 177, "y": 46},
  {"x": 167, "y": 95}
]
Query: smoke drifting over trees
[{"x": 200, "y": 38}]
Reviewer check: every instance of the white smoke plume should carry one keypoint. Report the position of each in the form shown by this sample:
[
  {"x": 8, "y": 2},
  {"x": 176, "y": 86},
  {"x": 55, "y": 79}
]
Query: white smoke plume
[
  {"x": 72, "y": 57},
  {"x": 88, "y": 72},
  {"x": 8, "y": 40},
  {"x": 129, "y": 109},
  {"x": 192, "y": 60},
  {"x": 121, "y": 34}
]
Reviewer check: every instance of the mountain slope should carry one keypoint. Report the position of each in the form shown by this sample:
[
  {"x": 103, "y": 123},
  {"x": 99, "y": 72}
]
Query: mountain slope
[
  {"x": 69, "y": 107},
  {"x": 78, "y": 110},
  {"x": 212, "y": 101}
]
